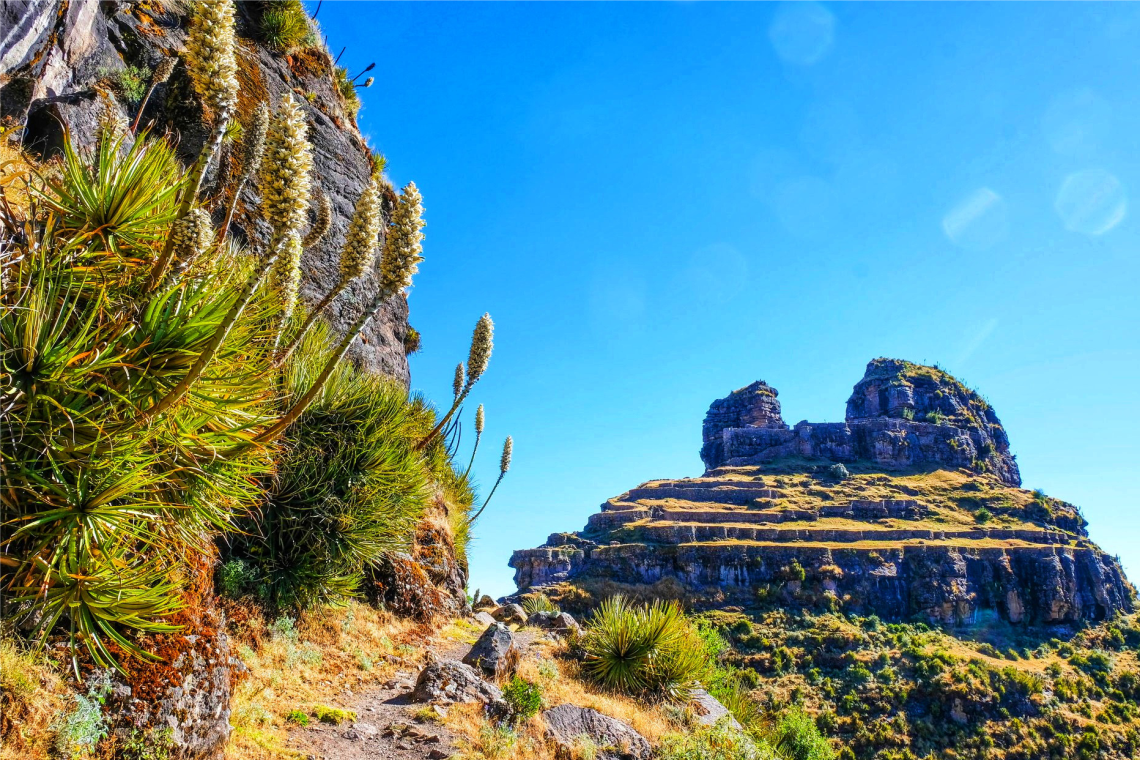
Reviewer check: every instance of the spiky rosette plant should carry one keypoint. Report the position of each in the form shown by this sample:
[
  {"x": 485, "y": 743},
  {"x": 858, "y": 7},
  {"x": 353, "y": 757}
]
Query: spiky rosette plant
[
  {"x": 651, "y": 651},
  {"x": 103, "y": 516}
]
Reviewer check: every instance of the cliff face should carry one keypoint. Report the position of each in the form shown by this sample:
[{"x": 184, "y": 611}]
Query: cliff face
[
  {"x": 56, "y": 54},
  {"x": 924, "y": 520}
]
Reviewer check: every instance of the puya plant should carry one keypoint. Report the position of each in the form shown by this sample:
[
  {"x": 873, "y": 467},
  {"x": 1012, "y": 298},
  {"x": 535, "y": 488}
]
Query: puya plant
[{"x": 135, "y": 370}]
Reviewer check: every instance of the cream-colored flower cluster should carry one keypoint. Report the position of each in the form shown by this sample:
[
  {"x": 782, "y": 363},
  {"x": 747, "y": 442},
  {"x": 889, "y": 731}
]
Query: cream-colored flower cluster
[
  {"x": 210, "y": 58},
  {"x": 255, "y": 142},
  {"x": 459, "y": 381},
  {"x": 193, "y": 234},
  {"x": 285, "y": 170},
  {"x": 285, "y": 279},
  {"x": 480, "y": 419},
  {"x": 505, "y": 460},
  {"x": 481, "y": 345},
  {"x": 359, "y": 251},
  {"x": 404, "y": 243},
  {"x": 163, "y": 70}
]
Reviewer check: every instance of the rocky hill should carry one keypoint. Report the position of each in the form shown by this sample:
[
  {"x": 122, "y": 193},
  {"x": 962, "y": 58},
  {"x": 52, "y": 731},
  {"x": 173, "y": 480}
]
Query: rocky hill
[{"x": 909, "y": 510}]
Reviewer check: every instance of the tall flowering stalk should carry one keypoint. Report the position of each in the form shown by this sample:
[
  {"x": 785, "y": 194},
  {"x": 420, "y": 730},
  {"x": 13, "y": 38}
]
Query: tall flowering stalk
[
  {"x": 399, "y": 261},
  {"x": 285, "y": 170},
  {"x": 161, "y": 73},
  {"x": 504, "y": 465},
  {"x": 285, "y": 279},
  {"x": 357, "y": 255},
  {"x": 212, "y": 65},
  {"x": 480, "y": 421},
  {"x": 458, "y": 381},
  {"x": 478, "y": 358},
  {"x": 193, "y": 234},
  {"x": 285, "y": 182},
  {"x": 251, "y": 161},
  {"x": 321, "y": 223},
  {"x": 112, "y": 125}
]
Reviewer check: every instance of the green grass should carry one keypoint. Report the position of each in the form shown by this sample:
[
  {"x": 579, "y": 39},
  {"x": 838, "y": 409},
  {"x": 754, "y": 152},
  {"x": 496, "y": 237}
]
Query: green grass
[{"x": 284, "y": 26}]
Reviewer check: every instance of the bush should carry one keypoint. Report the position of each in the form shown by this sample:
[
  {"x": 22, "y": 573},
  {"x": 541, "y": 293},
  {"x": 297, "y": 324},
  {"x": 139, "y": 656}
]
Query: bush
[
  {"x": 983, "y": 516},
  {"x": 720, "y": 742},
  {"x": 129, "y": 83},
  {"x": 332, "y": 715},
  {"x": 533, "y": 603},
  {"x": 523, "y": 698},
  {"x": 838, "y": 472},
  {"x": 285, "y": 25},
  {"x": 797, "y": 737},
  {"x": 653, "y": 651},
  {"x": 349, "y": 490},
  {"x": 78, "y": 731}
]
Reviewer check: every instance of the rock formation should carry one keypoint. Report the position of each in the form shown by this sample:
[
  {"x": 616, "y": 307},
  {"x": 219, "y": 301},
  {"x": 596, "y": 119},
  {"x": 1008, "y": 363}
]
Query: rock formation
[
  {"x": 924, "y": 519},
  {"x": 899, "y": 415}
]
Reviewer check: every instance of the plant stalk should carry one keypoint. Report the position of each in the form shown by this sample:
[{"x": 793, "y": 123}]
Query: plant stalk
[
  {"x": 142, "y": 106},
  {"x": 447, "y": 418},
  {"x": 303, "y": 403},
  {"x": 309, "y": 322},
  {"x": 191, "y": 194},
  {"x": 473, "y": 450},
  {"x": 473, "y": 518},
  {"x": 208, "y": 353}
]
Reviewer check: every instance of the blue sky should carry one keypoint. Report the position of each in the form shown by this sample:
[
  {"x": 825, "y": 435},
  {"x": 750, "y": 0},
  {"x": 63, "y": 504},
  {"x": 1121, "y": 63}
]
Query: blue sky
[{"x": 659, "y": 203}]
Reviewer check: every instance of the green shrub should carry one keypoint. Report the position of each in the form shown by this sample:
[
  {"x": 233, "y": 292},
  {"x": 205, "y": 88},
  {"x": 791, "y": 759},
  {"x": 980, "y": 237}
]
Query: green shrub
[
  {"x": 347, "y": 90},
  {"x": 719, "y": 742},
  {"x": 533, "y": 603},
  {"x": 332, "y": 715},
  {"x": 298, "y": 717},
  {"x": 652, "y": 650},
  {"x": 236, "y": 579},
  {"x": 129, "y": 83},
  {"x": 523, "y": 698},
  {"x": 285, "y": 25},
  {"x": 78, "y": 731},
  {"x": 983, "y": 515},
  {"x": 796, "y": 737},
  {"x": 349, "y": 490}
]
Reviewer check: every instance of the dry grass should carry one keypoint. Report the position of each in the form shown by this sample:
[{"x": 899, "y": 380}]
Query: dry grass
[
  {"x": 31, "y": 694},
  {"x": 324, "y": 659},
  {"x": 561, "y": 683},
  {"x": 16, "y": 171}
]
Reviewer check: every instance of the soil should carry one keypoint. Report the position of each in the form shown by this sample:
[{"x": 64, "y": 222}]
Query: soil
[{"x": 386, "y": 726}]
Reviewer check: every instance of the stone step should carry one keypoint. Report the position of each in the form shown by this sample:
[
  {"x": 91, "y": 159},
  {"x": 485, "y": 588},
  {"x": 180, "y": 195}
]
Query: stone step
[
  {"x": 686, "y": 533},
  {"x": 716, "y": 495}
]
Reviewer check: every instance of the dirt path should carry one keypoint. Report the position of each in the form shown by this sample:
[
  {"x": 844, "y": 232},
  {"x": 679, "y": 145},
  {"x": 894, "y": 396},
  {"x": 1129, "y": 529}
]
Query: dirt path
[{"x": 386, "y": 725}]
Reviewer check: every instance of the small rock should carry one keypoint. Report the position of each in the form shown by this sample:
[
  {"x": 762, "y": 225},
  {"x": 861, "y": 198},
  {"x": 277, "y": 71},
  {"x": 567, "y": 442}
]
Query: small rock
[
  {"x": 494, "y": 653},
  {"x": 483, "y": 618},
  {"x": 437, "y": 754},
  {"x": 485, "y": 603},
  {"x": 615, "y": 740},
  {"x": 447, "y": 681},
  {"x": 709, "y": 710},
  {"x": 352, "y": 735},
  {"x": 510, "y": 613}
]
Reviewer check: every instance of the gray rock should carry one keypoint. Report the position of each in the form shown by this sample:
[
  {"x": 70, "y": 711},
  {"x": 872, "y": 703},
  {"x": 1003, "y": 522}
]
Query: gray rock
[
  {"x": 483, "y": 618},
  {"x": 615, "y": 740},
  {"x": 495, "y": 653},
  {"x": 447, "y": 682},
  {"x": 510, "y": 613},
  {"x": 559, "y": 622},
  {"x": 709, "y": 710}
]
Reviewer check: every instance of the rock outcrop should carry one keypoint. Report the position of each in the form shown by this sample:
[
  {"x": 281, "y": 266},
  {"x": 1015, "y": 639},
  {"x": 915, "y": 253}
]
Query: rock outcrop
[
  {"x": 924, "y": 519},
  {"x": 570, "y": 726},
  {"x": 899, "y": 415},
  {"x": 56, "y": 54}
]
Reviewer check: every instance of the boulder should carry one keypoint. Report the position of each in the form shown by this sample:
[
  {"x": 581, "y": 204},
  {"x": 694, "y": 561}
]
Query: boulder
[
  {"x": 559, "y": 622},
  {"x": 483, "y": 618},
  {"x": 510, "y": 613},
  {"x": 485, "y": 603},
  {"x": 566, "y": 725},
  {"x": 709, "y": 710},
  {"x": 447, "y": 681},
  {"x": 495, "y": 653}
]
